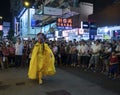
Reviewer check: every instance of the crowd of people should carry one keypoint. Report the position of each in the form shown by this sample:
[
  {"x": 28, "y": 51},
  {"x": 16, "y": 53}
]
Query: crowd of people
[
  {"x": 97, "y": 55},
  {"x": 15, "y": 54}
]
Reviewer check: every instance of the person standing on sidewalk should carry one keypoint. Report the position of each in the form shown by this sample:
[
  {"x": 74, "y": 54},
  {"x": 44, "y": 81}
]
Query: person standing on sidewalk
[
  {"x": 113, "y": 66},
  {"x": 42, "y": 60},
  {"x": 18, "y": 53}
]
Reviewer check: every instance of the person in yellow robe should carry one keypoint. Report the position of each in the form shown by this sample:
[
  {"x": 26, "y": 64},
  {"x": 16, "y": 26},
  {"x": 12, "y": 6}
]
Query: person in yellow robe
[{"x": 42, "y": 60}]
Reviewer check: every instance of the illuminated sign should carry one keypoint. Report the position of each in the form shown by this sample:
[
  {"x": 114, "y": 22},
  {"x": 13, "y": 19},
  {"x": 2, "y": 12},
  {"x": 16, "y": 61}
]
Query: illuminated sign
[
  {"x": 49, "y": 35},
  {"x": 85, "y": 25},
  {"x": 64, "y": 23},
  {"x": 81, "y": 31},
  {"x": 72, "y": 32},
  {"x": 35, "y": 23},
  {"x": 1, "y": 27}
]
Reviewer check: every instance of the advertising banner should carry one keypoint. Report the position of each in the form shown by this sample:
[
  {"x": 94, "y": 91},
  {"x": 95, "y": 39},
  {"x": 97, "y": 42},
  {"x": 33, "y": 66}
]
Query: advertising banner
[{"x": 52, "y": 11}]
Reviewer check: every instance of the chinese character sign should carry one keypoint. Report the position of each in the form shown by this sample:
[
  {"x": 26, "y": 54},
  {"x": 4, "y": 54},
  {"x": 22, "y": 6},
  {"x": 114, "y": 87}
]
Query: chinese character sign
[{"x": 65, "y": 23}]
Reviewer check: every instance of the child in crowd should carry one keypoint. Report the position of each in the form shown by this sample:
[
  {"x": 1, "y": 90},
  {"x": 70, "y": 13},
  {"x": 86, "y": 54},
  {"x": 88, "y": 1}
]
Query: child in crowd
[{"x": 113, "y": 65}]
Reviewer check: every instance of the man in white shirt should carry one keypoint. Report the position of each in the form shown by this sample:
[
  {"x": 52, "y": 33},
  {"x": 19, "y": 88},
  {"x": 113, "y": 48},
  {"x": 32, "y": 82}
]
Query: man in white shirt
[
  {"x": 18, "y": 53},
  {"x": 95, "y": 51}
]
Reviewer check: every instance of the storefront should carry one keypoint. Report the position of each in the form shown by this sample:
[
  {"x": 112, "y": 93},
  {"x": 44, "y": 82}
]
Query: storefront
[{"x": 109, "y": 32}]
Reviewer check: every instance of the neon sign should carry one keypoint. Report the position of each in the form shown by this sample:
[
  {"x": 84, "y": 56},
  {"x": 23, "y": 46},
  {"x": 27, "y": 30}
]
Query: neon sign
[{"x": 64, "y": 23}]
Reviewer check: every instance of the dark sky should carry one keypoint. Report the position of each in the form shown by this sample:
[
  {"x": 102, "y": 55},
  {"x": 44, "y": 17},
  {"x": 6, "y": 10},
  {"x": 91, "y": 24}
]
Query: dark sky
[
  {"x": 5, "y": 10},
  {"x": 99, "y": 3},
  {"x": 5, "y": 7}
]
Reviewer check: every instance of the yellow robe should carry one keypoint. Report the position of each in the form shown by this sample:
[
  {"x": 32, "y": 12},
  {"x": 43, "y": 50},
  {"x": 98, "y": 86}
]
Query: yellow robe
[{"x": 41, "y": 61}]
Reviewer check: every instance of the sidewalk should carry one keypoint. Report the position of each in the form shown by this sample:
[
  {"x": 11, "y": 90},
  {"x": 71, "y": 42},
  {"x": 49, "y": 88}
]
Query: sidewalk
[{"x": 15, "y": 82}]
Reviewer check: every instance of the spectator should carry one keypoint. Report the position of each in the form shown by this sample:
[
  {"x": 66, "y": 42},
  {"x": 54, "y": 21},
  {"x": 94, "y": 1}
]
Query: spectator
[
  {"x": 18, "y": 53},
  {"x": 113, "y": 66}
]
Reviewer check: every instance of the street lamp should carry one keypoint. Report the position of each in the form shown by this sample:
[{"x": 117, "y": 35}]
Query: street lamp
[{"x": 26, "y": 4}]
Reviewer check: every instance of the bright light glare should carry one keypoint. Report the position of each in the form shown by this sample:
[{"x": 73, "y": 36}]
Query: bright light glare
[
  {"x": 1, "y": 27},
  {"x": 26, "y": 3},
  {"x": 106, "y": 29},
  {"x": 0, "y": 17}
]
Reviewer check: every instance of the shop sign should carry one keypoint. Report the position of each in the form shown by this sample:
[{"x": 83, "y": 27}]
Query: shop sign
[{"x": 64, "y": 23}]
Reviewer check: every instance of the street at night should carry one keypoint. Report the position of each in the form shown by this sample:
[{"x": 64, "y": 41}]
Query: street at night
[
  {"x": 67, "y": 81},
  {"x": 60, "y": 47}
]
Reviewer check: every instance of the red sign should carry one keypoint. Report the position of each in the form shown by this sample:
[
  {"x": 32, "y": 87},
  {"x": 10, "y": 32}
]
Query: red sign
[{"x": 64, "y": 22}]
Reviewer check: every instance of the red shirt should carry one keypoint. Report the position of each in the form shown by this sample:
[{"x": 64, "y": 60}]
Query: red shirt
[
  {"x": 11, "y": 50},
  {"x": 113, "y": 59}
]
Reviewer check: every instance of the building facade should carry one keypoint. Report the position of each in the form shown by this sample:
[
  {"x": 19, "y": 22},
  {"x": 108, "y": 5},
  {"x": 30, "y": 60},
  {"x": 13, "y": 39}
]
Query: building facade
[{"x": 43, "y": 14}]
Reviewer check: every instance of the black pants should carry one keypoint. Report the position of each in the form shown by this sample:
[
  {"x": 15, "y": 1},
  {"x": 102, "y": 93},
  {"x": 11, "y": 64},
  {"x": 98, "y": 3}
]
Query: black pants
[{"x": 18, "y": 60}]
